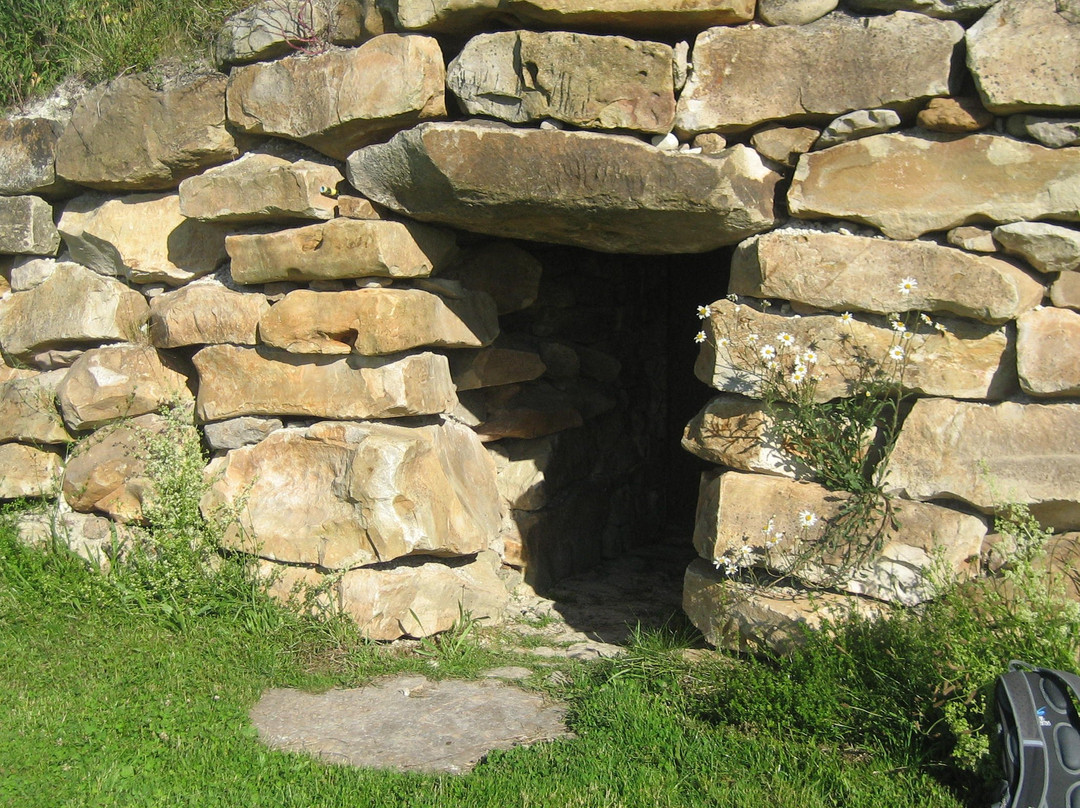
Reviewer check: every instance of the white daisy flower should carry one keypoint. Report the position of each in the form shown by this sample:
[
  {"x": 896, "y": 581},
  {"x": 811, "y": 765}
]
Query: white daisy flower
[
  {"x": 807, "y": 518},
  {"x": 809, "y": 357},
  {"x": 925, "y": 318},
  {"x": 768, "y": 352},
  {"x": 846, "y": 317},
  {"x": 700, "y": 337},
  {"x": 898, "y": 326},
  {"x": 896, "y": 353},
  {"x": 798, "y": 376},
  {"x": 907, "y": 286},
  {"x": 733, "y": 298},
  {"x": 940, "y": 328},
  {"x": 723, "y": 342},
  {"x": 785, "y": 339},
  {"x": 703, "y": 312},
  {"x": 772, "y": 364},
  {"x": 751, "y": 337}
]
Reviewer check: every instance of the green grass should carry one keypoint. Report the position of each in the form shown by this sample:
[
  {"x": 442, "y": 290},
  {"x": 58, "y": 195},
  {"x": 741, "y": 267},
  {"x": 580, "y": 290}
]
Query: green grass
[
  {"x": 108, "y": 700},
  {"x": 43, "y": 41}
]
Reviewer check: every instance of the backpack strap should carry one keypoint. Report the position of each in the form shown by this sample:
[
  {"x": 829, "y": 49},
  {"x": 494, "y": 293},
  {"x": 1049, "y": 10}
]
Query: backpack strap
[{"x": 1018, "y": 710}]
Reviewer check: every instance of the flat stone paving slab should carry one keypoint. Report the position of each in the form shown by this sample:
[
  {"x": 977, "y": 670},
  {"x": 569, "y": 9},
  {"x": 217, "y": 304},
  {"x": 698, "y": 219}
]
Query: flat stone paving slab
[{"x": 408, "y": 723}]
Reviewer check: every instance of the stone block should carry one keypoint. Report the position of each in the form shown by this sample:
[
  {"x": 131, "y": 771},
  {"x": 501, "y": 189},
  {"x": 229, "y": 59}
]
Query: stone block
[
  {"x": 955, "y": 115},
  {"x": 1047, "y": 342},
  {"x": 1046, "y": 247},
  {"x": 28, "y": 156},
  {"x": 28, "y": 411},
  {"x": 28, "y": 471},
  {"x": 26, "y": 226},
  {"x": 237, "y": 381},
  {"x": 206, "y": 313},
  {"x": 238, "y": 432},
  {"x": 502, "y": 269}
]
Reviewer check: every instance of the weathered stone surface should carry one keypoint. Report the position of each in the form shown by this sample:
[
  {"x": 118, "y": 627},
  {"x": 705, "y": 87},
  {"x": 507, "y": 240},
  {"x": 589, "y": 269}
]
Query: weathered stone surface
[
  {"x": 845, "y": 272},
  {"x": 858, "y": 124},
  {"x": 735, "y": 510},
  {"x": 1046, "y": 351},
  {"x": 108, "y": 472},
  {"x": 28, "y": 156},
  {"x": 784, "y": 144},
  {"x": 342, "y": 99},
  {"x": 421, "y": 599},
  {"x": 408, "y": 723},
  {"x": 94, "y": 538},
  {"x": 261, "y": 187},
  {"x": 518, "y": 411},
  {"x": 119, "y": 381},
  {"x": 1022, "y": 54},
  {"x": 205, "y": 313},
  {"x": 342, "y": 248},
  {"x": 237, "y": 432},
  {"x": 737, "y": 432},
  {"x": 495, "y": 365},
  {"x": 142, "y": 237},
  {"x": 955, "y": 115},
  {"x": 26, "y": 226},
  {"x": 1047, "y": 247},
  {"x": 593, "y": 82},
  {"x": 970, "y": 360},
  {"x": 598, "y": 191},
  {"x": 502, "y": 269},
  {"x": 990, "y": 455},
  {"x": 378, "y": 321},
  {"x": 278, "y": 27},
  {"x": 745, "y": 618},
  {"x": 1066, "y": 290},
  {"x": 944, "y": 9},
  {"x": 28, "y": 410},
  {"x": 356, "y": 207},
  {"x": 26, "y": 273},
  {"x": 246, "y": 381},
  {"x": 125, "y": 135},
  {"x": 8, "y": 373},
  {"x": 972, "y": 239},
  {"x": 340, "y": 495},
  {"x": 646, "y": 16},
  {"x": 1053, "y": 133},
  {"x": 907, "y": 186},
  {"x": 28, "y": 471},
  {"x": 74, "y": 307},
  {"x": 522, "y": 472},
  {"x": 745, "y": 76},
  {"x": 793, "y": 12}
]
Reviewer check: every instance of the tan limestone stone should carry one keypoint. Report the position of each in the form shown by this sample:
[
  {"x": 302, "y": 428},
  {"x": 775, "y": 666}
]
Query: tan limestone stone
[
  {"x": 502, "y": 269},
  {"x": 28, "y": 471},
  {"x": 205, "y": 314},
  {"x": 784, "y": 144},
  {"x": 342, "y": 99},
  {"x": 737, "y": 432},
  {"x": 519, "y": 411},
  {"x": 907, "y": 186},
  {"x": 592, "y": 82},
  {"x": 1046, "y": 247},
  {"x": 495, "y": 365},
  {"x": 1066, "y": 290},
  {"x": 646, "y": 16},
  {"x": 356, "y": 207},
  {"x": 261, "y": 187},
  {"x": 377, "y": 321},
  {"x": 28, "y": 156},
  {"x": 744, "y": 618},
  {"x": 74, "y": 307},
  {"x": 340, "y": 495},
  {"x": 972, "y": 239},
  {"x": 990, "y": 455},
  {"x": 108, "y": 471},
  {"x": 142, "y": 237},
  {"x": 424, "y": 598},
  {"x": 236, "y": 432},
  {"x": 793, "y": 12},
  {"x": 745, "y": 76},
  {"x": 845, "y": 272},
  {"x": 277, "y": 27},
  {"x": 1047, "y": 342},
  {"x": 943, "y": 9},
  {"x": 593, "y": 190},
  {"x": 246, "y": 381},
  {"x": 26, "y": 226},
  {"x": 28, "y": 411},
  {"x": 735, "y": 509},
  {"x": 119, "y": 381},
  {"x": 125, "y": 135},
  {"x": 955, "y": 115},
  {"x": 342, "y": 248},
  {"x": 970, "y": 360},
  {"x": 1022, "y": 54}
]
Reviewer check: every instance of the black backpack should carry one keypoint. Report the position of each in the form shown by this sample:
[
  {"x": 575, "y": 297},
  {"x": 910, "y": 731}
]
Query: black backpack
[{"x": 1039, "y": 733}]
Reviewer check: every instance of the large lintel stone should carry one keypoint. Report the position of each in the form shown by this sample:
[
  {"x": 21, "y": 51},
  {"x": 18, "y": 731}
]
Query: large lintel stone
[{"x": 598, "y": 191}]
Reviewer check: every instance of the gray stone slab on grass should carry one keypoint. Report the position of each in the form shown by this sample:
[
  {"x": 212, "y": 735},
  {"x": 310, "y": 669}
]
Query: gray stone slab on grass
[{"x": 407, "y": 723}]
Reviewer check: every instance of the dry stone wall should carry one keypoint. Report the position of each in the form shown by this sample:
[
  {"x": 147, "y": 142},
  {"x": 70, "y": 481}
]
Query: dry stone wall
[{"x": 376, "y": 255}]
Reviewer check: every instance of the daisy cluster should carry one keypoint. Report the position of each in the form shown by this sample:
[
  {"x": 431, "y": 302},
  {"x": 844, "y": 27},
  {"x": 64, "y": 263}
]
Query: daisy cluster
[{"x": 734, "y": 561}]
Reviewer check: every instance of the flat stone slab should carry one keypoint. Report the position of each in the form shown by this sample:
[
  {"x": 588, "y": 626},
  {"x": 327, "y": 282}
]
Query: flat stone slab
[{"x": 408, "y": 723}]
